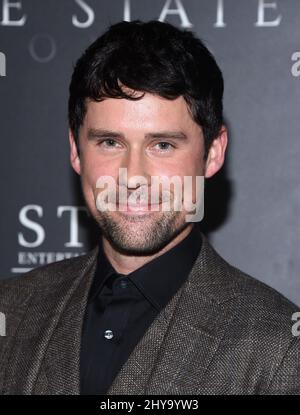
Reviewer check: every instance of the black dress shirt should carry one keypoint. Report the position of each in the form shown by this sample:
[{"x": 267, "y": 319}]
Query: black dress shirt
[{"x": 121, "y": 307}]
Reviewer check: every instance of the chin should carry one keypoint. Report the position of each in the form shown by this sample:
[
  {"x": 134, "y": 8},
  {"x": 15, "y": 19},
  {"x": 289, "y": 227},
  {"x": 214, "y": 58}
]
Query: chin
[{"x": 136, "y": 250}]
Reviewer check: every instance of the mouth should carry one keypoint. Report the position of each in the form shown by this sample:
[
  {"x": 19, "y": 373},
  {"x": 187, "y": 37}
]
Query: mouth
[{"x": 138, "y": 208}]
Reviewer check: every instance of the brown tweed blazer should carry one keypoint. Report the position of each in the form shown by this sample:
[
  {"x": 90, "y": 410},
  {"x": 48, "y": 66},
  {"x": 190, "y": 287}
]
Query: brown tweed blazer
[{"x": 223, "y": 332}]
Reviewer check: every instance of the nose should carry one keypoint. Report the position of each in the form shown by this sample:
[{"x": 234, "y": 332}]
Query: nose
[{"x": 135, "y": 164}]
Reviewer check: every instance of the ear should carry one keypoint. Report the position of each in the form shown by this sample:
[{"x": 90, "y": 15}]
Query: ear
[
  {"x": 74, "y": 156},
  {"x": 216, "y": 154}
]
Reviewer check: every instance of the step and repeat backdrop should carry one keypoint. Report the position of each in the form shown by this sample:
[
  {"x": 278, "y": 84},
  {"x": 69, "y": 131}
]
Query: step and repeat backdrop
[{"x": 252, "y": 205}]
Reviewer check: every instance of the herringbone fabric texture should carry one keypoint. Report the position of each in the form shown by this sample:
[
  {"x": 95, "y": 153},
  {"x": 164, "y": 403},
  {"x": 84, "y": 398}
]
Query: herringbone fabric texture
[{"x": 223, "y": 332}]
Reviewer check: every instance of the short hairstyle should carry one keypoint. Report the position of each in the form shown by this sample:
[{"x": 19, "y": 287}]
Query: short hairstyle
[{"x": 152, "y": 57}]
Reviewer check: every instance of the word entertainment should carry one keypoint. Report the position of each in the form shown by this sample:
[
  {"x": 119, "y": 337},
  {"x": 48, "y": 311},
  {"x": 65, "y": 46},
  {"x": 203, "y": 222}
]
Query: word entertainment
[{"x": 265, "y": 12}]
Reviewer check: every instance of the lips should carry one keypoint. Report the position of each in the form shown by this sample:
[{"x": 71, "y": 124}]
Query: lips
[{"x": 138, "y": 207}]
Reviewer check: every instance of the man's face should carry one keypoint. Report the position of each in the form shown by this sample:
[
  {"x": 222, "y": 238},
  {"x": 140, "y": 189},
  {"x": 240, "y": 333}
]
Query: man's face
[{"x": 149, "y": 137}]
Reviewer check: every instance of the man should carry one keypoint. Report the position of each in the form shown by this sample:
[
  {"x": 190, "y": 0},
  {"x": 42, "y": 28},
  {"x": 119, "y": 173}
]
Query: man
[{"x": 153, "y": 308}]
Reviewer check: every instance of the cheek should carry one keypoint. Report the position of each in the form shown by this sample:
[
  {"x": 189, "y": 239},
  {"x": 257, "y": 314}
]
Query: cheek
[
  {"x": 188, "y": 183},
  {"x": 188, "y": 168},
  {"x": 93, "y": 168},
  {"x": 184, "y": 166}
]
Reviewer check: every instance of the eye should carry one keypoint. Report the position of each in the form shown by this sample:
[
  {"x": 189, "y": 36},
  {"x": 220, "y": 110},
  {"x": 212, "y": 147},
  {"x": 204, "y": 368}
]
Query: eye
[
  {"x": 108, "y": 143},
  {"x": 164, "y": 146}
]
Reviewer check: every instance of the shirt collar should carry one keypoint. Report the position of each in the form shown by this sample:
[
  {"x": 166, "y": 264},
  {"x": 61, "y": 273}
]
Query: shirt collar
[{"x": 159, "y": 279}]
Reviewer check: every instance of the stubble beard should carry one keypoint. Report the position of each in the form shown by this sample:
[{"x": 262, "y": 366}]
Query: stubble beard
[{"x": 140, "y": 235}]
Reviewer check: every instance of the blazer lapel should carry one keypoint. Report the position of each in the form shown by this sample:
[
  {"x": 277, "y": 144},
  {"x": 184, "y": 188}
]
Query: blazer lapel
[
  {"x": 179, "y": 345},
  {"x": 134, "y": 375},
  {"x": 196, "y": 331}
]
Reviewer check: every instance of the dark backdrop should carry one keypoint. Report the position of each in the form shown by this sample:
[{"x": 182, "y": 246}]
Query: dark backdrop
[{"x": 252, "y": 205}]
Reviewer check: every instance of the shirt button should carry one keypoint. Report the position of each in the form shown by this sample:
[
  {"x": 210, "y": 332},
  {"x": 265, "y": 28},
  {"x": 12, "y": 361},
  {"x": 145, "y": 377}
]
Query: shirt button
[
  {"x": 124, "y": 283},
  {"x": 108, "y": 334}
]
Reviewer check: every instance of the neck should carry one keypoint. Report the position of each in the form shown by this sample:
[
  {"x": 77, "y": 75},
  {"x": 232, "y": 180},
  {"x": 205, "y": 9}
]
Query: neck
[{"x": 125, "y": 264}]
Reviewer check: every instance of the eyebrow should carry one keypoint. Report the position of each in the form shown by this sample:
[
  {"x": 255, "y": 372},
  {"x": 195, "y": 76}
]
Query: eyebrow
[{"x": 94, "y": 133}]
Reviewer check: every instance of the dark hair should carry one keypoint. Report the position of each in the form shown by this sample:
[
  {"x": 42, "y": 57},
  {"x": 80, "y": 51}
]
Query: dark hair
[{"x": 153, "y": 57}]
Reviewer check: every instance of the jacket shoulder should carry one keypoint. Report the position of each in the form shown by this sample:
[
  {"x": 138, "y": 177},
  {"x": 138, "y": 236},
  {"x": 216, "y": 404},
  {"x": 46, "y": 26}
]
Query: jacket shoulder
[
  {"x": 262, "y": 333},
  {"x": 48, "y": 275},
  {"x": 257, "y": 296},
  {"x": 228, "y": 281}
]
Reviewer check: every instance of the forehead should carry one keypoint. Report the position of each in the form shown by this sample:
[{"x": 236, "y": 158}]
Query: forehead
[{"x": 150, "y": 111}]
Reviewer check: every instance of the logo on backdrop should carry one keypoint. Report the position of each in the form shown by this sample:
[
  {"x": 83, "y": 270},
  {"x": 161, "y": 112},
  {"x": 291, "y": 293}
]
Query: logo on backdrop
[
  {"x": 42, "y": 46},
  {"x": 31, "y": 219},
  {"x": 266, "y": 13}
]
